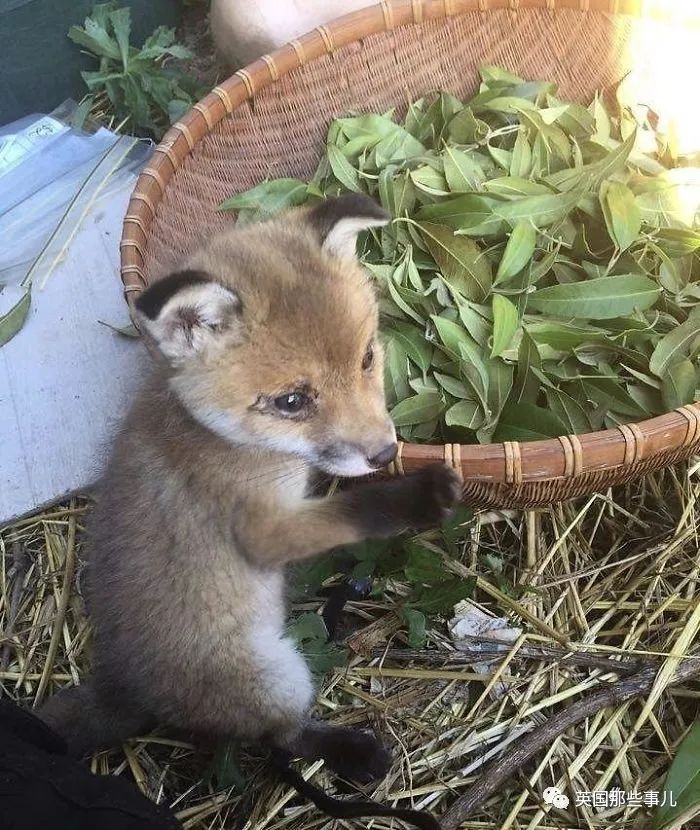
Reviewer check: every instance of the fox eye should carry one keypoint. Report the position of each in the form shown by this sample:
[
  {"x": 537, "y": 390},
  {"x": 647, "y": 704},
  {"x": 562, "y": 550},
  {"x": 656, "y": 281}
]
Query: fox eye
[
  {"x": 368, "y": 359},
  {"x": 291, "y": 402}
]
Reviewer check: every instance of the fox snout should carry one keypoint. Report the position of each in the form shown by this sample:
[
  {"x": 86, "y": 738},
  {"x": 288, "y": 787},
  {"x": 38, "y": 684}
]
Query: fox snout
[
  {"x": 358, "y": 455},
  {"x": 350, "y": 460},
  {"x": 385, "y": 456}
]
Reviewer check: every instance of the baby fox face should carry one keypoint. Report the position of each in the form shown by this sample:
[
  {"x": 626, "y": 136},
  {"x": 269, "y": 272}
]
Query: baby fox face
[{"x": 270, "y": 335}]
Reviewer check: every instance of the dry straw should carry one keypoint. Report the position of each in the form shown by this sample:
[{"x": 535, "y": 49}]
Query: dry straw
[{"x": 598, "y": 692}]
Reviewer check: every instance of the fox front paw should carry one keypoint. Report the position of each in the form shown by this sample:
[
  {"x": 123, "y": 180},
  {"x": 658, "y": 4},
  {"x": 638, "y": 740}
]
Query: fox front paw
[{"x": 436, "y": 492}]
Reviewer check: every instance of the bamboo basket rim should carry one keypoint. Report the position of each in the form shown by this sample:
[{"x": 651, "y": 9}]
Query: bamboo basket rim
[{"x": 647, "y": 444}]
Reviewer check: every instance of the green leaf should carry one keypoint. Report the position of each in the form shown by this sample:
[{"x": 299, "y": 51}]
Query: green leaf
[
  {"x": 225, "y": 767},
  {"x": 309, "y": 632},
  {"x": 405, "y": 299},
  {"x": 596, "y": 299},
  {"x": 453, "y": 527},
  {"x": 607, "y": 393},
  {"x": 491, "y": 74},
  {"x": 513, "y": 187},
  {"x": 463, "y": 172},
  {"x": 416, "y": 623},
  {"x": 308, "y": 576},
  {"x": 462, "y": 263},
  {"x": 344, "y": 172},
  {"x": 415, "y": 345},
  {"x": 594, "y": 174},
  {"x": 678, "y": 242},
  {"x": 308, "y": 627},
  {"x": 474, "y": 369},
  {"x": 466, "y": 128},
  {"x": 518, "y": 253},
  {"x": 564, "y": 336},
  {"x": 602, "y": 121},
  {"x": 474, "y": 320},
  {"x": 451, "y": 385},
  {"x": 527, "y": 385},
  {"x": 574, "y": 119},
  {"x": 679, "y": 384},
  {"x": 673, "y": 199},
  {"x": 505, "y": 324},
  {"x": 673, "y": 347},
  {"x": 568, "y": 410},
  {"x": 136, "y": 101},
  {"x": 12, "y": 320},
  {"x": 500, "y": 385},
  {"x": 540, "y": 268},
  {"x": 95, "y": 38},
  {"x": 442, "y": 598},
  {"x": 397, "y": 193},
  {"x": 268, "y": 197},
  {"x": 683, "y": 780},
  {"x": 527, "y": 422},
  {"x": 503, "y": 158},
  {"x": 421, "y": 385},
  {"x": 648, "y": 400},
  {"x": 417, "y": 409},
  {"x": 451, "y": 334},
  {"x": 541, "y": 211},
  {"x": 424, "y": 566},
  {"x": 521, "y": 160},
  {"x": 398, "y": 146},
  {"x": 158, "y": 41},
  {"x": 121, "y": 26},
  {"x": 622, "y": 215},
  {"x": 469, "y": 212},
  {"x": 428, "y": 124},
  {"x": 429, "y": 180},
  {"x": 129, "y": 330},
  {"x": 466, "y": 413}
]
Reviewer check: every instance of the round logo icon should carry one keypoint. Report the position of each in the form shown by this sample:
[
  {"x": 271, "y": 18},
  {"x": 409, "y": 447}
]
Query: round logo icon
[{"x": 555, "y": 797}]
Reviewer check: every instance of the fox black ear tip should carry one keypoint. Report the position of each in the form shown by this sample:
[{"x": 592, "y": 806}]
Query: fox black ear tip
[
  {"x": 151, "y": 301},
  {"x": 359, "y": 204},
  {"x": 349, "y": 206}
]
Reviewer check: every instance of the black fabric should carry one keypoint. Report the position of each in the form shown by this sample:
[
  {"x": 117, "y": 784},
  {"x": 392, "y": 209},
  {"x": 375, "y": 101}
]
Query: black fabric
[{"x": 42, "y": 789}]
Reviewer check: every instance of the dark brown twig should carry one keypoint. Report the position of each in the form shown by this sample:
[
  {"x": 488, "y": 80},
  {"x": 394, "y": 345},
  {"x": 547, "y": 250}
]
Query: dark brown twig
[
  {"x": 483, "y": 651},
  {"x": 613, "y": 694}
]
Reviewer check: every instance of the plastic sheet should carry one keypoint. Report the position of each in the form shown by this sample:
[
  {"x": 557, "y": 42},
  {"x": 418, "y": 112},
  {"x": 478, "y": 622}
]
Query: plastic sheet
[{"x": 50, "y": 173}]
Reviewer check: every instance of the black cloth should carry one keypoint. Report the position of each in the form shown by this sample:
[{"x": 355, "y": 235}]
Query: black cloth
[{"x": 42, "y": 789}]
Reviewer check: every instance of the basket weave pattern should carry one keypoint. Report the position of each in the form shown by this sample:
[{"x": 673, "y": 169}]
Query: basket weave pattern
[{"x": 270, "y": 120}]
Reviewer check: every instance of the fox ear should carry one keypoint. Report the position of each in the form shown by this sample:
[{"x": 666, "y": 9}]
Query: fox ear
[
  {"x": 338, "y": 222},
  {"x": 188, "y": 312}
]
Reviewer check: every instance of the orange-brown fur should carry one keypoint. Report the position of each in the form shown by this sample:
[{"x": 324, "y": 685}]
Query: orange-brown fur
[{"x": 206, "y": 494}]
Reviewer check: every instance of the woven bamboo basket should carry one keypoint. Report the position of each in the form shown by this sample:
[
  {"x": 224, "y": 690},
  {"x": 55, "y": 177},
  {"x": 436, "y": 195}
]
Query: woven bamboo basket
[{"x": 270, "y": 119}]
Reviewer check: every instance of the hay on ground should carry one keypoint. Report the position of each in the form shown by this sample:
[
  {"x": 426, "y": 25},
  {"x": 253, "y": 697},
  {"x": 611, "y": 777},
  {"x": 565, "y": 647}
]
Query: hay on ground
[{"x": 604, "y": 581}]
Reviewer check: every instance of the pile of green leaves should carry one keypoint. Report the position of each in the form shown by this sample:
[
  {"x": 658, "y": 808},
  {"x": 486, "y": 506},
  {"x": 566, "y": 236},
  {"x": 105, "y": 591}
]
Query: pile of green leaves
[
  {"x": 145, "y": 92},
  {"x": 540, "y": 276}
]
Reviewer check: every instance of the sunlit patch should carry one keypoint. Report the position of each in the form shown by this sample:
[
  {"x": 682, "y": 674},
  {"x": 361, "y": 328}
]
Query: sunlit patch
[{"x": 664, "y": 52}]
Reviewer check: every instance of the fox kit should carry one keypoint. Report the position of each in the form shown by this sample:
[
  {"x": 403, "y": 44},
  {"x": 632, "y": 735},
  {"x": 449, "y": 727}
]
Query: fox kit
[{"x": 268, "y": 369}]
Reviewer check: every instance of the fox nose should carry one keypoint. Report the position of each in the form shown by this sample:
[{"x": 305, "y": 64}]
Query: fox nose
[{"x": 383, "y": 457}]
